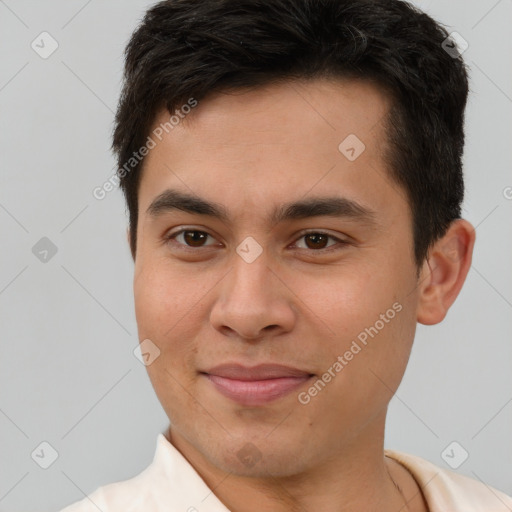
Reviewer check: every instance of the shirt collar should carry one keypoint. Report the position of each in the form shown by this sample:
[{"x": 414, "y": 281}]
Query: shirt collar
[{"x": 178, "y": 483}]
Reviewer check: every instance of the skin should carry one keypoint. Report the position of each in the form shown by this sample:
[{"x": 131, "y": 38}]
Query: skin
[{"x": 297, "y": 304}]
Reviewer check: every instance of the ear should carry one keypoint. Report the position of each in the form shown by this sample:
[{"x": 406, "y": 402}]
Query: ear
[{"x": 444, "y": 272}]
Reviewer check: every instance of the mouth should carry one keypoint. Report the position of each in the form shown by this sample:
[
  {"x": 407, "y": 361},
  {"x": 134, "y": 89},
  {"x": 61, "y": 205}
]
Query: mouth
[{"x": 257, "y": 385}]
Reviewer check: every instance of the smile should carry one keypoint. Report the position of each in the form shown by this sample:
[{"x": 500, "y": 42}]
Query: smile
[{"x": 258, "y": 385}]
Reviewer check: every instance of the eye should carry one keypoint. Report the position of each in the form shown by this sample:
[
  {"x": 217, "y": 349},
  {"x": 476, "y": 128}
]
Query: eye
[
  {"x": 316, "y": 240},
  {"x": 191, "y": 238},
  {"x": 195, "y": 239}
]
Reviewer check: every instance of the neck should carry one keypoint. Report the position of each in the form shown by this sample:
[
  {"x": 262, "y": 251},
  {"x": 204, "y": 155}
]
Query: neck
[{"x": 356, "y": 476}]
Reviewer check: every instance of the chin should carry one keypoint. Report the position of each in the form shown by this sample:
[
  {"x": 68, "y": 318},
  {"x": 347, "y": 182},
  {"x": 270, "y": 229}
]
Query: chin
[{"x": 258, "y": 459}]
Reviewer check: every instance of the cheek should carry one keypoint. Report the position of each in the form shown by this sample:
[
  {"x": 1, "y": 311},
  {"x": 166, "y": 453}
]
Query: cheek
[
  {"x": 165, "y": 300},
  {"x": 171, "y": 309},
  {"x": 367, "y": 375},
  {"x": 151, "y": 301},
  {"x": 369, "y": 318},
  {"x": 346, "y": 300},
  {"x": 385, "y": 345},
  {"x": 165, "y": 315},
  {"x": 159, "y": 306}
]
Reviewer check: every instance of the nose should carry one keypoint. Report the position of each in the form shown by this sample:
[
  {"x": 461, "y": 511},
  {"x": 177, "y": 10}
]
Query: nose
[{"x": 254, "y": 301}]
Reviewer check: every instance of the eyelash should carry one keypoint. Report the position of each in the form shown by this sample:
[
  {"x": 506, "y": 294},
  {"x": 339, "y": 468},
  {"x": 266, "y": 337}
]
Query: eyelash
[{"x": 341, "y": 243}]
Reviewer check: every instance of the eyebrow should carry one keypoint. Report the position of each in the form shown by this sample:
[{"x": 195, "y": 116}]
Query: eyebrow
[{"x": 331, "y": 206}]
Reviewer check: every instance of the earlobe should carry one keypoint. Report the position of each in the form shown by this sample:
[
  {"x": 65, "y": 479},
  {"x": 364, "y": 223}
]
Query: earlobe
[{"x": 444, "y": 272}]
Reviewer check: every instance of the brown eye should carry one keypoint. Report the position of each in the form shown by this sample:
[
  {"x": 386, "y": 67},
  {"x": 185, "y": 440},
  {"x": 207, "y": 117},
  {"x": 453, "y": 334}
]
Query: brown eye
[
  {"x": 317, "y": 241},
  {"x": 195, "y": 238},
  {"x": 192, "y": 238}
]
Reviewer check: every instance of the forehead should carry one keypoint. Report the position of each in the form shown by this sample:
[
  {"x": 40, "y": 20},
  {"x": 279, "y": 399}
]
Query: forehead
[
  {"x": 254, "y": 146},
  {"x": 322, "y": 105}
]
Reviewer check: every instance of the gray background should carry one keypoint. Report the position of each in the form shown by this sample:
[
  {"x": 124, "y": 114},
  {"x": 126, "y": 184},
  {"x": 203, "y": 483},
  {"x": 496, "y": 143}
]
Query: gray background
[{"x": 68, "y": 375}]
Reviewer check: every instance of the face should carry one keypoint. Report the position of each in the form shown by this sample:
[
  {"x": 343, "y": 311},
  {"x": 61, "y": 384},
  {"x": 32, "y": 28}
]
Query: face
[{"x": 304, "y": 258}]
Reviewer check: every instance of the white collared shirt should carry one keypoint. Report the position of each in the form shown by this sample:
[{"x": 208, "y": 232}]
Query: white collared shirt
[{"x": 171, "y": 484}]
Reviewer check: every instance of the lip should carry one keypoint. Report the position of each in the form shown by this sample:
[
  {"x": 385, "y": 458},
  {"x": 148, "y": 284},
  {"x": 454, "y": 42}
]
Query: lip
[{"x": 256, "y": 385}]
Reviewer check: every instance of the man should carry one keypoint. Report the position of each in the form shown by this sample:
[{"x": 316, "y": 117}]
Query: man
[{"x": 293, "y": 176}]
